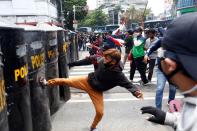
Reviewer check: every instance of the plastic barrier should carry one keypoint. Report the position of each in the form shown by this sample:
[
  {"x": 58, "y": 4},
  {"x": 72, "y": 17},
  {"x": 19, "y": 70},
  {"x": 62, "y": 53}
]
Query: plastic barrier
[
  {"x": 72, "y": 47},
  {"x": 62, "y": 62},
  {"x": 36, "y": 65},
  {"x": 76, "y": 48},
  {"x": 16, "y": 79},
  {"x": 52, "y": 71},
  {"x": 3, "y": 107},
  {"x": 68, "y": 38}
]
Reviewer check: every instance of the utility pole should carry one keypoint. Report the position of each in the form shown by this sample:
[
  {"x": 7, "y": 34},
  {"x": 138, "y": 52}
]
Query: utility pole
[
  {"x": 61, "y": 14},
  {"x": 113, "y": 16},
  {"x": 74, "y": 11},
  {"x": 74, "y": 15},
  {"x": 143, "y": 15},
  {"x": 74, "y": 18}
]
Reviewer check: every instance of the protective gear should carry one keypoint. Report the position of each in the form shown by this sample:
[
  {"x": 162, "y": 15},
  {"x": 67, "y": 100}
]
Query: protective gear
[{"x": 158, "y": 115}]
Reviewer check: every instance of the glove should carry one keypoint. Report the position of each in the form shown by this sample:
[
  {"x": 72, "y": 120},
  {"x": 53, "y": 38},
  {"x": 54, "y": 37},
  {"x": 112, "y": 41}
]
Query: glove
[{"x": 158, "y": 115}]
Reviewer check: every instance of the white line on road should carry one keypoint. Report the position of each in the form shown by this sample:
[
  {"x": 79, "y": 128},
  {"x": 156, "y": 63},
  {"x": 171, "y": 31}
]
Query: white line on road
[{"x": 118, "y": 100}]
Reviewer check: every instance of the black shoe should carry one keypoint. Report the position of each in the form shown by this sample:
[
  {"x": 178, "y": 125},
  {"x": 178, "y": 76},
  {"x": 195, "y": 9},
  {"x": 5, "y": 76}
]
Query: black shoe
[{"x": 93, "y": 129}]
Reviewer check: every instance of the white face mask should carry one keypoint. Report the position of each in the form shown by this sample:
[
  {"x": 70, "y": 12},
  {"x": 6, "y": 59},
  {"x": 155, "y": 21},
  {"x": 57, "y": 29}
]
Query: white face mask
[{"x": 136, "y": 34}]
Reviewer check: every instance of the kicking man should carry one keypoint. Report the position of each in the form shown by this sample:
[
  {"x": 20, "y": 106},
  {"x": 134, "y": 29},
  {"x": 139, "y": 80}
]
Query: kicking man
[{"x": 108, "y": 75}]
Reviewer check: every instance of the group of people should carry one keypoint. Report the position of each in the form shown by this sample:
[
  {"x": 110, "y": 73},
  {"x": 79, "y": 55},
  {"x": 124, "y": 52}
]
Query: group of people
[{"x": 176, "y": 64}]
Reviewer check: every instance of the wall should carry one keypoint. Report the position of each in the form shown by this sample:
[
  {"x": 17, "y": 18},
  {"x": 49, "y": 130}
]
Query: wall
[{"x": 28, "y": 10}]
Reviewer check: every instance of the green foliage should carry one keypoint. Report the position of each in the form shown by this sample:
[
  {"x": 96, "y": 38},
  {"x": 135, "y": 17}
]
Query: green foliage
[
  {"x": 95, "y": 18},
  {"x": 69, "y": 14}
]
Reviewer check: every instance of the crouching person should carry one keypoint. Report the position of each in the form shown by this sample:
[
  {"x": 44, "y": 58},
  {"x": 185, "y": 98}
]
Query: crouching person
[
  {"x": 108, "y": 75},
  {"x": 178, "y": 64}
]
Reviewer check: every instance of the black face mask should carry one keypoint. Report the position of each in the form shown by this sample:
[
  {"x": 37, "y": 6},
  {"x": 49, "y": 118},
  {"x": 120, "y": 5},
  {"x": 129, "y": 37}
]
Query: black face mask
[
  {"x": 169, "y": 76},
  {"x": 108, "y": 64}
]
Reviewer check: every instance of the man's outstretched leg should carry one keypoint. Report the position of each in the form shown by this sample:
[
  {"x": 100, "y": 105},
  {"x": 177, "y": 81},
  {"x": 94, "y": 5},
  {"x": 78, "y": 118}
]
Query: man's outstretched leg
[
  {"x": 81, "y": 82},
  {"x": 97, "y": 99}
]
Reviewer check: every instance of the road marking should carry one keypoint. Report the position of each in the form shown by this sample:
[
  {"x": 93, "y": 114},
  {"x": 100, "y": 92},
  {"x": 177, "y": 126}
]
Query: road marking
[{"x": 118, "y": 100}]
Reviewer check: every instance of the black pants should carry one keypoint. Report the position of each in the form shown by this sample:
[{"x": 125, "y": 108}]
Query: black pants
[
  {"x": 151, "y": 68},
  {"x": 141, "y": 67}
]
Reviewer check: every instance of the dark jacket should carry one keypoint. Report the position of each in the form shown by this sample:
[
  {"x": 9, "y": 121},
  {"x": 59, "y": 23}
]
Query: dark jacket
[
  {"x": 105, "y": 78},
  {"x": 128, "y": 44},
  {"x": 108, "y": 41}
]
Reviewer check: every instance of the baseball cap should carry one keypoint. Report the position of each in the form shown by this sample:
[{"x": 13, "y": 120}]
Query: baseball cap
[{"x": 180, "y": 38}]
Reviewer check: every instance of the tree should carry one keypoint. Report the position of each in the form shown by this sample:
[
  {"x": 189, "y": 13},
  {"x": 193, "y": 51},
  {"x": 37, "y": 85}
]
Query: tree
[
  {"x": 95, "y": 18},
  {"x": 133, "y": 15},
  {"x": 81, "y": 11}
]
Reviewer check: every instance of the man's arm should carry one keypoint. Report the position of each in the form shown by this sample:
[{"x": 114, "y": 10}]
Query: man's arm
[
  {"x": 124, "y": 82},
  {"x": 156, "y": 45},
  {"x": 86, "y": 61},
  {"x": 147, "y": 44},
  {"x": 172, "y": 119},
  {"x": 161, "y": 117}
]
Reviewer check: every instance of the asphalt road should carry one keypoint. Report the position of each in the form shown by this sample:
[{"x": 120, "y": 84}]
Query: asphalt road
[{"x": 122, "y": 110}]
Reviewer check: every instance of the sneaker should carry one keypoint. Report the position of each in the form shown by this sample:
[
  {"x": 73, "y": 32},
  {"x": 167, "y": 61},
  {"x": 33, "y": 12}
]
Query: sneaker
[
  {"x": 93, "y": 129},
  {"x": 146, "y": 84},
  {"x": 43, "y": 81}
]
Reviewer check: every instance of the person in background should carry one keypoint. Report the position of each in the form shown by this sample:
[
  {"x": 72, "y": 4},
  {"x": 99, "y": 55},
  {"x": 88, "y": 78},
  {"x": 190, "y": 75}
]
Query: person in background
[
  {"x": 152, "y": 58},
  {"x": 108, "y": 41},
  {"x": 161, "y": 79},
  {"x": 108, "y": 75},
  {"x": 92, "y": 59},
  {"x": 96, "y": 44},
  {"x": 138, "y": 56},
  {"x": 128, "y": 44},
  {"x": 179, "y": 66}
]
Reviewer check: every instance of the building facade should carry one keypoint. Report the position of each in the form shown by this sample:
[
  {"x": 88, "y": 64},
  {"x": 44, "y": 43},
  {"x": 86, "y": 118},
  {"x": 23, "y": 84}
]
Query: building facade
[
  {"x": 125, "y": 3},
  {"x": 22, "y": 11},
  {"x": 186, "y": 6},
  {"x": 109, "y": 7}
]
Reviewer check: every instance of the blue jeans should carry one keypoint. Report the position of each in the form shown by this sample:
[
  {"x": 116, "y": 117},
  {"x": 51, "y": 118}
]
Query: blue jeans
[{"x": 161, "y": 81}]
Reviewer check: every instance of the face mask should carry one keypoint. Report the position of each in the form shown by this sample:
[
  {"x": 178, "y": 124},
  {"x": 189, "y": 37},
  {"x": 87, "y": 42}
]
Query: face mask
[
  {"x": 172, "y": 56},
  {"x": 168, "y": 76},
  {"x": 108, "y": 64}
]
